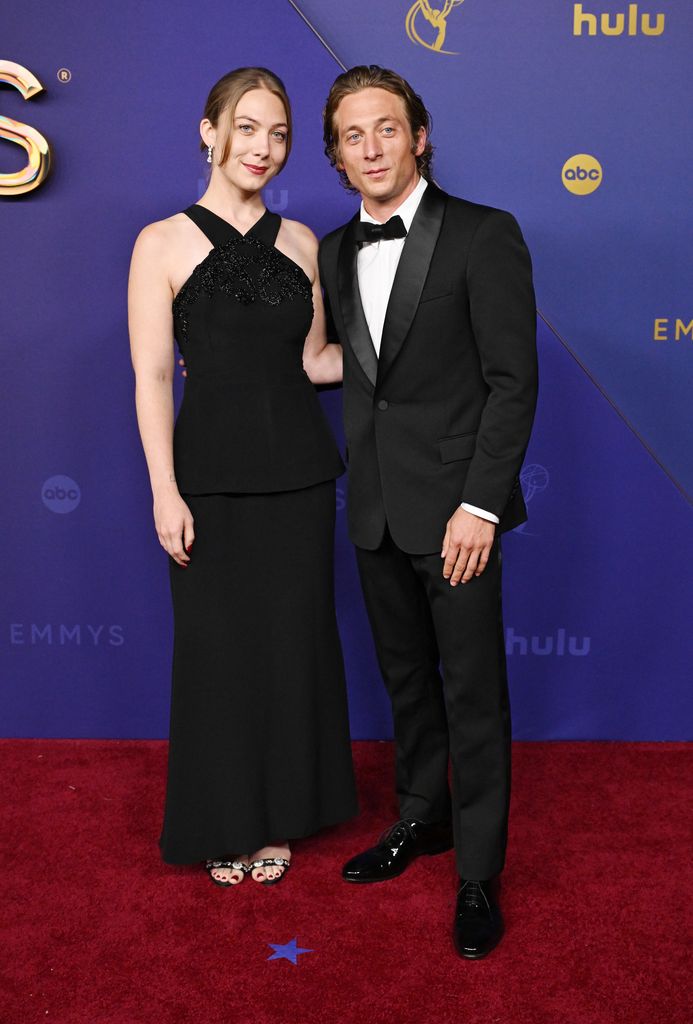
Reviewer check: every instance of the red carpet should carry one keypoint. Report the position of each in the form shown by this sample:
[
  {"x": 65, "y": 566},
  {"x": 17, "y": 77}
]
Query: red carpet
[{"x": 96, "y": 930}]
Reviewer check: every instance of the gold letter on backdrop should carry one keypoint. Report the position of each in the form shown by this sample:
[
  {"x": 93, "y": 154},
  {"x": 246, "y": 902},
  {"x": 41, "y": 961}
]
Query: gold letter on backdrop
[{"x": 36, "y": 146}]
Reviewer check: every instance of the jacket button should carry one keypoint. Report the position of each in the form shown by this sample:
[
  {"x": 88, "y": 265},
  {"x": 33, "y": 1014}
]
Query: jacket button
[{"x": 382, "y": 405}]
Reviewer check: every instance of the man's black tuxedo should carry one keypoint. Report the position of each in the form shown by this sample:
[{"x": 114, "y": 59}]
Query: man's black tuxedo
[
  {"x": 441, "y": 417},
  {"x": 444, "y": 415}
]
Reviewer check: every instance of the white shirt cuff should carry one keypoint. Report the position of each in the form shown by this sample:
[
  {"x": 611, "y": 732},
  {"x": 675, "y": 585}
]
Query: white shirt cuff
[{"x": 482, "y": 513}]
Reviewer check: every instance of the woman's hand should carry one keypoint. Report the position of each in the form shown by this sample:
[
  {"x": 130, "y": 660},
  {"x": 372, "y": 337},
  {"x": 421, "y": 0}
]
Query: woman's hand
[{"x": 174, "y": 526}]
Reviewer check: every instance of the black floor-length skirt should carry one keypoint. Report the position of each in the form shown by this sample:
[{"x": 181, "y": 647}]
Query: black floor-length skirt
[{"x": 259, "y": 745}]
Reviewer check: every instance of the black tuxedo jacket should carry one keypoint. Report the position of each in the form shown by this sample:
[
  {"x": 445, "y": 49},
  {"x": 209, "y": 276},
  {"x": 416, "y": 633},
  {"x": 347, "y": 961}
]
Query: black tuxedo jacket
[{"x": 444, "y": 415}]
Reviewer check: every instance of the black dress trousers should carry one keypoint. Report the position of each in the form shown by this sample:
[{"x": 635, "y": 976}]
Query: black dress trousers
[{"x": 442, "y": 656}]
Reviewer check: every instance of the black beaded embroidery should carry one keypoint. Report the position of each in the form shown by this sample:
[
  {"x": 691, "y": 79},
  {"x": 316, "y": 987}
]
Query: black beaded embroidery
[{"x": 226, "y": 269}]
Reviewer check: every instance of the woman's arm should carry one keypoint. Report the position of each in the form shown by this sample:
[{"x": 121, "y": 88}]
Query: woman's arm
[
  {"x": 151, "y": 345},
  {"x": 322, "y": 359}
]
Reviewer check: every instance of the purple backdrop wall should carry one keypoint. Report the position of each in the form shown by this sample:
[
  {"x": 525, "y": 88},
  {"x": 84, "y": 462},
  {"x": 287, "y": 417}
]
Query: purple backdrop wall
[{"x": 597, "y": 582}]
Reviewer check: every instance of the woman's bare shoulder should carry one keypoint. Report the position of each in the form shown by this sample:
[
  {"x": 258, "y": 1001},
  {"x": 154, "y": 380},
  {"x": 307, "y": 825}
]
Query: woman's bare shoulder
[
  {"x": 301, "y": 235},
  {"x": 160, "y": 235},
  {"x": 301, "y": 245}
]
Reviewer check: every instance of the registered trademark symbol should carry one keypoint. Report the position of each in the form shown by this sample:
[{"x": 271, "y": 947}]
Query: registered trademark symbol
[{"x": 64, "y": 75}]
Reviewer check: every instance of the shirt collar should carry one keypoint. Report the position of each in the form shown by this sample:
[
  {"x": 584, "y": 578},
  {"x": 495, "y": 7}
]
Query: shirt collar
[{"x": 406, "y": 210}]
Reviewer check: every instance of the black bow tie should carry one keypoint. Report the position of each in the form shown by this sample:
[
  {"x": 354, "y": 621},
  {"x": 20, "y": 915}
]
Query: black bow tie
[{"x": 364, "y": 231}]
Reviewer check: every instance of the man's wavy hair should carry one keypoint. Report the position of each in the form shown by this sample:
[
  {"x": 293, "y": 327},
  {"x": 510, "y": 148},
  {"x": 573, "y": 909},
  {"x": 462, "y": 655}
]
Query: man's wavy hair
[{"x": 372, "y": 76}]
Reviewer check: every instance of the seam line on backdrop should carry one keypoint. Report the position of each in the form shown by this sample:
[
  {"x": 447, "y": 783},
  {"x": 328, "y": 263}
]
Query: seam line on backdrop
[
  {"x": 548, "y": 323},
  {"x": 317, "y": 34},
  {"x": 619, "y": 412}
]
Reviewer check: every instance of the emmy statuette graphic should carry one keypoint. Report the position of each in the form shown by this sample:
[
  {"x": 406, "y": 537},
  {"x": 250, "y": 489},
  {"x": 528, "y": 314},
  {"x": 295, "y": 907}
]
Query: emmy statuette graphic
[{"x": 436, "y": 18}]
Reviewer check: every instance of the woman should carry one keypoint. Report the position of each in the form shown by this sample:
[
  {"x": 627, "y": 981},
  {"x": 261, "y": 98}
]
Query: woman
[{"x": 244, "y": 502}]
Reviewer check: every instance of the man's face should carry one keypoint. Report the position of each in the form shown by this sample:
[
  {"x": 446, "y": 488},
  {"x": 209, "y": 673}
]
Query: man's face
[{"x": 375, "y": 146}]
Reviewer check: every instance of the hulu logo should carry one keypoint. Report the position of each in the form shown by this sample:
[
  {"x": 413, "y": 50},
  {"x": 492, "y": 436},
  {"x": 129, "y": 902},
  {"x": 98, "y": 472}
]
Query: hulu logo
[
  {"x": 631, "y": 23},
  {"x": 560, "y": 644}
]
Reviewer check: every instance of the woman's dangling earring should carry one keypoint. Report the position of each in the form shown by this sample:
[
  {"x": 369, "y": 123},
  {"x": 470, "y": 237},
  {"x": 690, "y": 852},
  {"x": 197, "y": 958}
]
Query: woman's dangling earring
[{"x": 210, "y": 150}]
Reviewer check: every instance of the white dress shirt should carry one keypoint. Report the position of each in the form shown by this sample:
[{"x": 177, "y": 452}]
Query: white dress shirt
[{"x": 376, "y": 268}]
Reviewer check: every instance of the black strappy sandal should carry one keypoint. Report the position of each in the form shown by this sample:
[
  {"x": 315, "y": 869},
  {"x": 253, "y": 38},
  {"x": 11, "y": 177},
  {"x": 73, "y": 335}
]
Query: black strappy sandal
[
  {"x": 236, "y": 865},
  {"x": 280, "y": 862}
]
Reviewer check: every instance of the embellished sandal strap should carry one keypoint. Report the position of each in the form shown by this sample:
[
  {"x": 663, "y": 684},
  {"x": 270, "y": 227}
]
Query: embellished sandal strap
[
  {"x": 237, "y": 865},
  {"x": 281, "y": 862}
]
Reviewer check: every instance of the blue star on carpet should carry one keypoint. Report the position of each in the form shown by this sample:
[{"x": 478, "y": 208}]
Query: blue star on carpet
[{"x": 289, "y": 951}]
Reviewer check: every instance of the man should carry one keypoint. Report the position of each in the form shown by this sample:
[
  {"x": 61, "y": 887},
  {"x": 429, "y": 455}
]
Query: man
[{"x": 432, "y": 300}]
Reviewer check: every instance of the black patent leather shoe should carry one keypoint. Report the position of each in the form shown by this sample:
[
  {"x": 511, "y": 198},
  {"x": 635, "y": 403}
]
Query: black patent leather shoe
[
  {"x": 478, "y": 925},
  {"x": 397, "y": 848}
]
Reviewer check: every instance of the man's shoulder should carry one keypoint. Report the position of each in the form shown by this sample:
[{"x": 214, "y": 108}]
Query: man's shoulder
[
  {"x": 465, "y": 209},
  {"x": 330, "y": 243},
  {"x": 334, "y": 237}
]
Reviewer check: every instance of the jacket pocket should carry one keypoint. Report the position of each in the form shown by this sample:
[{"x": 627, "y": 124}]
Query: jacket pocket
[
  {"x": 460, "y": 446},
  {"x": 431, "y": 294}
]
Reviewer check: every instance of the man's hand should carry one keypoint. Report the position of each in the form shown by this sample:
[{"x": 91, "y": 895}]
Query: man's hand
[{"x": 466, "y": 546}]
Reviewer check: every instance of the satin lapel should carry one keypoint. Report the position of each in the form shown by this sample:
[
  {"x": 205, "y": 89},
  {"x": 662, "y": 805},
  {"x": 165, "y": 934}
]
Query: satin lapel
[
  {"x": 350, "y": 304},
  {"x": 411, "y": 274}
]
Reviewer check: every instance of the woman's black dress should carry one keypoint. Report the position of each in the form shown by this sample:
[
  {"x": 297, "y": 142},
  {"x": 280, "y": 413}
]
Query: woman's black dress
[{"x": 259, "y": 744}]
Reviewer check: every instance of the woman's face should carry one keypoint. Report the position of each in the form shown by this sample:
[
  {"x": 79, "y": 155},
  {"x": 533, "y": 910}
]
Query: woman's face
[{"x": 258, "y": 135}]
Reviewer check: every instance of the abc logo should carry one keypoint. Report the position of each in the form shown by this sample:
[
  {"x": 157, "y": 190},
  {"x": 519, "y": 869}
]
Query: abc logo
[
  {"x": 61, "y": 494},
  {"x": 582, "y": 174}
]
